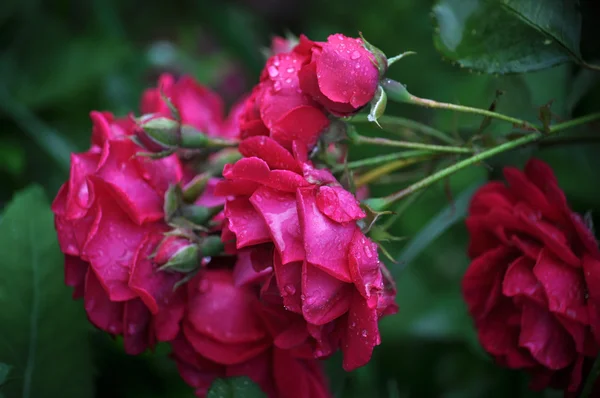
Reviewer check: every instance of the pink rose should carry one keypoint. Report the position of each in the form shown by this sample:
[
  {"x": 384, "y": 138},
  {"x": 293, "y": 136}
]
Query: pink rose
[
  {"x": 325, "y": 268},
  {"x": 109, "y": 219},
  {"x": 340, "y": 74},
  {"x": 279, "y": 109}
]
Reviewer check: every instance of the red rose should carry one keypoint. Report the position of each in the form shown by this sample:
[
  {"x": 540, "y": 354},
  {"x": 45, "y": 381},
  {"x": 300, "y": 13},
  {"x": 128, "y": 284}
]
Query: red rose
[
  {"x": 341, "y": 74},
  {"x": 326, "y": 269},
  {"x": 223, "y": 335},
  {"x": 533, "y": 285},
  {"x": 109, "y": 219},
  {"x": 278, "y": 108}
]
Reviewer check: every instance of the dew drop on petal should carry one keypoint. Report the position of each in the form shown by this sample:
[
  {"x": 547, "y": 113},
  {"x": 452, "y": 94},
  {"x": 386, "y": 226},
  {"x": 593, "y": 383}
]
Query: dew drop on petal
[
  {"x": 355, "y": 55},
  {"x": 272, "y": 70},
  {"x": 289, "y": 289}
]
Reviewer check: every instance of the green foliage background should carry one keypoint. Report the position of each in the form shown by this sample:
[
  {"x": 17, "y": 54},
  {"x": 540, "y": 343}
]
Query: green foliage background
[{"x": 60, "y": 59}]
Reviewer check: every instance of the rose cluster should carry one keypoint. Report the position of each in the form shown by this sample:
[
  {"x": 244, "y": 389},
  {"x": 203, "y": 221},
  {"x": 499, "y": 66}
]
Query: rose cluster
[{"x": 259, "y": 268}]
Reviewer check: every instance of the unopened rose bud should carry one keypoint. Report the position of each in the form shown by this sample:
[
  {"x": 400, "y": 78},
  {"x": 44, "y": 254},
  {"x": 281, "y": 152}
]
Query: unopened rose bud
[
  {"x": 163, "y": 133},
  {"x": 342, "y": 74},
  {"x": 193, "y": 189},
  {"x": 177, "y": 254}
]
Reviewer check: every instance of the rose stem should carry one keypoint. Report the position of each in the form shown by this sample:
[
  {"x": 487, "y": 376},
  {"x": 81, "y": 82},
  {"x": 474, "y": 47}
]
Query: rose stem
[
  {"x": 374, "y": 174},
  {"x": 361, "y": 139},
  {"x": 484, "y": 155},
  {"x": 375, "y": 160},
  {"x": 390, "y": 123},
  {"x": 397, "y": 92}
]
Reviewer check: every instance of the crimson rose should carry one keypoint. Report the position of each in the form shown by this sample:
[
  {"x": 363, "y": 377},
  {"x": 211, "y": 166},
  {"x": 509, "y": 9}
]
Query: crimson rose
[{"x": 533, "y": 287}]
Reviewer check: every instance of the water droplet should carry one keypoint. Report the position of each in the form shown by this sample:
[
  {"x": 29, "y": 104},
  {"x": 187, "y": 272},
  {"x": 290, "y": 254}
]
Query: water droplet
[
  {"x": 272, "y": 70},
  {"x": 291, "y": 69},
  {"x": 277, "y": 86},
  {"x": 368, "y": 251},
  {"x": 355, "y": 55},
  {"x": 353, "y": 325},
  {"x": 302, "y": 297},
  {"x": 357, "y": 65},
  {"x": 364, "y": 333},
  {"x": 288, "y": 80},
  {"x": 289, "y": 289}
]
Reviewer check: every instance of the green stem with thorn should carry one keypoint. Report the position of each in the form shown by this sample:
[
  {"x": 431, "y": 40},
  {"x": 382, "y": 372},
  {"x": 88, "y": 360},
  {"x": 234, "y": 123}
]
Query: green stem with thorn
[
  {"x": 397, "y": 92},
  {"x": 444, "y": 173}
]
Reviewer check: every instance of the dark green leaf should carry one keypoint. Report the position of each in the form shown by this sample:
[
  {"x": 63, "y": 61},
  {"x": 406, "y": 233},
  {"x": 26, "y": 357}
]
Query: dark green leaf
[
  {"x": 235, "y": 387},
  {"x": 446, "y": 218},
  {"x": 4, "y": 371},
  {"x": 42, "y": 331},
  {"x": 508, "y": 36}
]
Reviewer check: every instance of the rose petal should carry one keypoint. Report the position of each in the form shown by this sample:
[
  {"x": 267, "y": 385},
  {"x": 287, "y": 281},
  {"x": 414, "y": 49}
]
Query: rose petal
[
  {"x": 326, "y": 242},
  {"x": 112, "y": 243},
  {"x": 521, "y": 281},
  {"x": 303, "y": 123},
  {"x": 289, "y": 279},
  {"x": 362, "y": 334},
  {"x": 221, "y": 311},
  {"x": 276, "y": 156},
  {"x": 156, "y": 290},
  {"x": 564, "y": 287},
  {"x": 75, "y": 272},
  {"x": 325, "y": 298},
  {"x": 365, "y": 267},
  {"x": 119, "y": 169},
  {"x": 226, "y": 354},
  {"x": 482, "y": 283},
  {"x": 279, "y": 211},
  {"x": 136, "y": 319},
  {"x": 246, "y": 223},
  {"x": 545, "y": 338},
  {"x": 339, "y": 204},
  {"x": 103, "y": 313}
]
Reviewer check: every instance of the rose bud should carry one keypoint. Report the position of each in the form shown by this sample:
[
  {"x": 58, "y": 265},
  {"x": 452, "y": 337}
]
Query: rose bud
[{"x": 341, "y": 74}]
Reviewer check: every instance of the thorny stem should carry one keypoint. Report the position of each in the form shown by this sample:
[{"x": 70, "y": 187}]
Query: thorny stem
[
  {"x": 375, "y": 160},
  {"x": 440, "y": 175},
  {"x": 361, "y": 139},
  {"x": 387, "y": 168},
  {"x": 397, "y": 92},
  {"x": 392, "y": 123}
]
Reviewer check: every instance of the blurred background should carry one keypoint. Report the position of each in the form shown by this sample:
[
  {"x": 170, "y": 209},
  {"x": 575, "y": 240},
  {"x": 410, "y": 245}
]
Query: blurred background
[{"x": 60, "y": 59}]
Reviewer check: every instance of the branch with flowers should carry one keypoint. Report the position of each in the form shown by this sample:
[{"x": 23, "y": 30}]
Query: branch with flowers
[{"x": 251, "y": 244}]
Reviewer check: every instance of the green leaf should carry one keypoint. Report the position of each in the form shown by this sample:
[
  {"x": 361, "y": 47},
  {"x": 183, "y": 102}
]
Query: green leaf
[
  {"x": 430, "y": 312},
  {"x": 42, "y": 330},
  {"x": 453, "y": 213},
  {"x": 4, "y": 371},
  {"x": 235, "y": 387},
  {"x": 508, "y": 36}
]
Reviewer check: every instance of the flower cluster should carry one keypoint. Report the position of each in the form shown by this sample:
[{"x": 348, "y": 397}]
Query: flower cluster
[
  {"x": 532, "y": 287},
  {"x": 259, "y": 268},
  {"x": 231, "y": 238}
]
